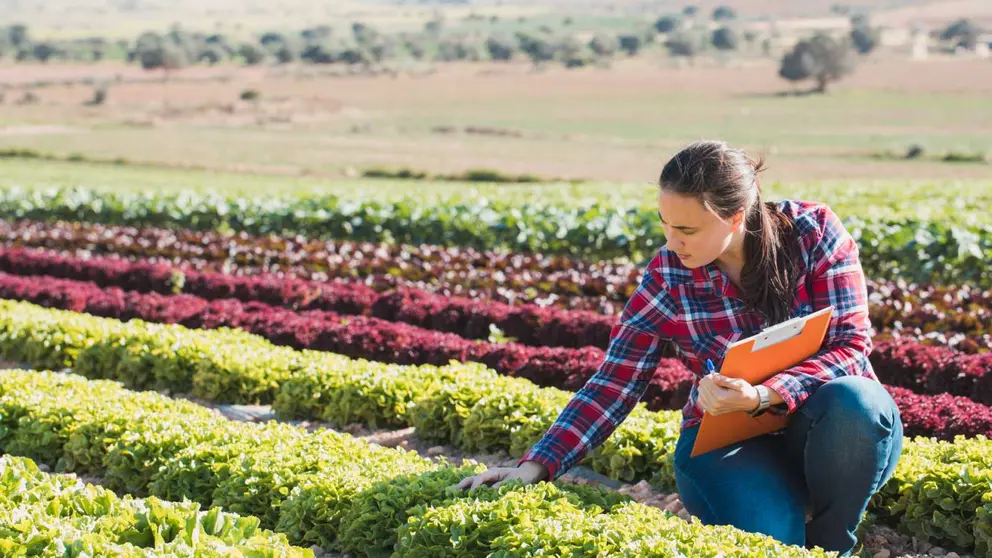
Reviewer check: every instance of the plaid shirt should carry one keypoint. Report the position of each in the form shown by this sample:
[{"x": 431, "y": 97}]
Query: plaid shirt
[{"x": 701, "y": 312}]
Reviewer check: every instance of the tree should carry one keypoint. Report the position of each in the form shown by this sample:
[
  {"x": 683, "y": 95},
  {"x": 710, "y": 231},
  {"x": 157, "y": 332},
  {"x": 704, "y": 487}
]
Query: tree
[
  {"x": 963, "y": 32},
  {"x": 667, "y": 24},
  {"x": 603, "y": 45},
  {"x": 864, "y": 39},
  {"x": 690, "y": 11},
  {"x": 286, "y": 54},
  {"x": 821, "y": 58},
  {"x": 574, "y": 54},
  {"x": 171, "y": 51},
  {"x": 539, "y": 49},
  {"x": 43, "y": 52},
  {"x": 726, "y": 38},
  {"x": 148, "y": 50},
  {"x": 252, "y": 54},
  {"x": 18, "y": 35},
  {"x": 191, "y": 44},
  {"x": 213, "y": 54},
  {"x": 174, "y": 57},
  {"x": 221, "y": 42},
  {"x": 631, "y": 44},
  {"x": 500, "y": 48},
  {"x": 457, "y": 49},
  {"x": 682, "y": 45},
  {"x": 319, "y": 52},
  {"x": 352, "y": 55},
  {"x": 271, "y": 40},
  {"x": 724, "y": 13}
]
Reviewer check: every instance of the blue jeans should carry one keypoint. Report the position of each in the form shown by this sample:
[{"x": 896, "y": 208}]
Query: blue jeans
[{"x": 839, "y": 448}]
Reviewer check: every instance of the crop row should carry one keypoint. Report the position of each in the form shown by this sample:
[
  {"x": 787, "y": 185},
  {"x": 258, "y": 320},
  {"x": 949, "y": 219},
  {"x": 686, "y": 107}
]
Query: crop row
[
  {"x": 330, "y": 489},
  {"x": 461, "y": 404},
  {"x": 58, "y": 515},
  {"x": 473, "y": 319},
  {"x": 353, "y": 336},
  {"x": 917, "y": 250},
  {"x": 499, "y": 275},
  {"x": 105, "y": 348},
  {"x": 922, "y": 368},
  {"x": 958, "y": 316}
]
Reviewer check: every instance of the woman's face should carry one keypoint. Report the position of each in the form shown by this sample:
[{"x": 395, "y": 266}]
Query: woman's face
[{"x": 695, "y": 233}]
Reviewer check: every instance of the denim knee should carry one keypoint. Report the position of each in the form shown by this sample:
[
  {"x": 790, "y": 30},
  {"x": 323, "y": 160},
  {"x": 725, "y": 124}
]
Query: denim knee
[
  {"x": 856, "y": 400},
  {"x": 850, "y": 436}
]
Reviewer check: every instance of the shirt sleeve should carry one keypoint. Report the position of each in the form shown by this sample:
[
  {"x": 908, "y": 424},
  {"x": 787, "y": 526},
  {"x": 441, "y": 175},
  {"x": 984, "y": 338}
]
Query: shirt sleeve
[
  {"x": 837, "y": 280},
  {"x": 637, "y": 342}
]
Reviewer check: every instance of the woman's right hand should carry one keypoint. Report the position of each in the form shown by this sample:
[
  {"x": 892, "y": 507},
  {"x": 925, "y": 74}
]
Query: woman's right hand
[{"x": 529, "y": 472}]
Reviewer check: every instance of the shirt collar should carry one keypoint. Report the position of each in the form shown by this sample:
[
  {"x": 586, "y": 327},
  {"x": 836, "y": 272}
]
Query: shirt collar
[{"x": 709, "y": 279}]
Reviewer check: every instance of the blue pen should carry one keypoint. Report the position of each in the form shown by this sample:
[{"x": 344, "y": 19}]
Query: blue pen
[{"x": 709, "y": 367}]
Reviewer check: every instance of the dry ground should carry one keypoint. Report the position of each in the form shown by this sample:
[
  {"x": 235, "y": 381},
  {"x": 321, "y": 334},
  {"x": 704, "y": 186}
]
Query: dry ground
[{"x": 606, "y": 124}]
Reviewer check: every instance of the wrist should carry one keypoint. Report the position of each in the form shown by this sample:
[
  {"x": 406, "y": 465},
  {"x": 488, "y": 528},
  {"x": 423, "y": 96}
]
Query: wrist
[
  {"x": 539, "y": 469},
  {"x": 763, "y": 400}
]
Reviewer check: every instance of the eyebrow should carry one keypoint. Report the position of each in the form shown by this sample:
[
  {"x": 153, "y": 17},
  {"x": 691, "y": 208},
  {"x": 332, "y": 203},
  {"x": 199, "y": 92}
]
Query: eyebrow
[{"x": 682, "y": 228}]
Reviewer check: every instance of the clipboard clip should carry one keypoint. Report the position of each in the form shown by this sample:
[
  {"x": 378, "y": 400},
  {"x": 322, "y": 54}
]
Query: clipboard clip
[{"x": 780, "y": 332}]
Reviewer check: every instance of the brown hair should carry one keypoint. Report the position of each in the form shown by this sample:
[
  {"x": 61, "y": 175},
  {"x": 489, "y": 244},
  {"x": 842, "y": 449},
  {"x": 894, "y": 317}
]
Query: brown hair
[{"x": 725, "y": 180}]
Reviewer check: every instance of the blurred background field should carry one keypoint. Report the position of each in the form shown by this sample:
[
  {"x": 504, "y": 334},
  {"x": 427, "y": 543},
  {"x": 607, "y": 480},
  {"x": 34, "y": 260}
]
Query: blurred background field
[{"x": 297, "y": 210}]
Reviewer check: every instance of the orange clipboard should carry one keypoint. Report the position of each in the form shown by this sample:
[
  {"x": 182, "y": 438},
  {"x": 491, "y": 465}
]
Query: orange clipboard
[{"x": 756, "y": 359}]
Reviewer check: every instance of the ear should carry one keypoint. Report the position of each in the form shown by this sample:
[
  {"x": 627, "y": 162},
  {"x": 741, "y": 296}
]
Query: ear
[{"x": 738, "y": 220}]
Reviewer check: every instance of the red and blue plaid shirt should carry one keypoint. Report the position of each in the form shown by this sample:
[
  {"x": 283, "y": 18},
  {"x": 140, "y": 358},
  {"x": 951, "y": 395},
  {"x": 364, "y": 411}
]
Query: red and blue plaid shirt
[{"x": 701, "y": 312}]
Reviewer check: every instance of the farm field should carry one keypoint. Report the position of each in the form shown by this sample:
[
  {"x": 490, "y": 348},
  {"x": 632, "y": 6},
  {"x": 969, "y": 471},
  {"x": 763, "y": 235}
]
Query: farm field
[
  {"x": 604, "y": 125},
  {"x": 961, "y": 200},
  {"x": 353, "y": 341},
  {"x": 281, "y": 308}
]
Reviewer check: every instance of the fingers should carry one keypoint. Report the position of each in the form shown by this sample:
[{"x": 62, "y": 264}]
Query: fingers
[
  {"x": 486, "y": 477},
  {"x": 714, "y": 398},
  {"x": 735, "y": 384},
  {"x": 468, "y": 482}
]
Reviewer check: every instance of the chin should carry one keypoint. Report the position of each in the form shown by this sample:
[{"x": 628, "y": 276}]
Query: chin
[{"x": 690, "y": 262}]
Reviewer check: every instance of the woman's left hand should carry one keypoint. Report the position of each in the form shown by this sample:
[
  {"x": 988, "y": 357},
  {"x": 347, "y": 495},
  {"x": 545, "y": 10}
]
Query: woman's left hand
[{"x": 720, "y": 395}]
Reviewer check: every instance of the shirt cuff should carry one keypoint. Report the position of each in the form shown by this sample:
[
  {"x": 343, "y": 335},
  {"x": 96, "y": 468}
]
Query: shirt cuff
[{"x": 788, "y": 387}]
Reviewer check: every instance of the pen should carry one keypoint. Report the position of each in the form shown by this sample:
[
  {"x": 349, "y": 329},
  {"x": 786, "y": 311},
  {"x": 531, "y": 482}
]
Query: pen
[{"x": 709, "y": 367}]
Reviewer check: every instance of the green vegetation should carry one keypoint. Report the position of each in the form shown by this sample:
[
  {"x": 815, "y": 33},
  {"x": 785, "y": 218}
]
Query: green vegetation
[
  {"x": 952, "y": 201},
  {"x": 68, "y": 517},
  {"x": 322, "y": 487},
  {"x": 138, "y": 441},
  {"x": 892, "y": 246}
]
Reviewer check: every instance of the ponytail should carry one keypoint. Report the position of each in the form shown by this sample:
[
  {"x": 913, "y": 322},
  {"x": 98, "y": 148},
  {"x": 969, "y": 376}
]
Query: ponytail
[{"x": 769, "y": 278}]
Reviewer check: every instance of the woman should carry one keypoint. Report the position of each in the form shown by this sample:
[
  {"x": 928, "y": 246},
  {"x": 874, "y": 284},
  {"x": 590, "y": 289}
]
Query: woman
[{"x": 733, "y": 265}]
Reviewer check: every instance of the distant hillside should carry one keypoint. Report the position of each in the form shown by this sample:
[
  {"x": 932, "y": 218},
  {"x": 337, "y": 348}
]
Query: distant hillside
[{"x": 127, "y": 18}]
